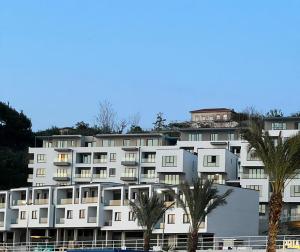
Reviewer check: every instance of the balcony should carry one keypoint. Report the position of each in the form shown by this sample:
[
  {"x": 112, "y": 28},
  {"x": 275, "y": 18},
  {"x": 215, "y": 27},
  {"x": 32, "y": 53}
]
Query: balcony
[
  {"x": 254, "y": 176},
  {"x": 92, "y": 219},
  {"x": 128, "y": 177},
  {"x": 61, "y": 177},
  {"x": 88, "y": 200},
  {"x": 41, "y": 201},
  {"x": 43, "y": 220},
  {"x": 31, "y": 161},
  {"x": 129, "y": 162},
  {"x": 83, "y": 175},
  {"x": 148, "y": 176},
  {"x": 148, "y": 160},
  {"x": 2, "y": 223},
  {"x": 29, "y": 178},
  {"x": 14, "y": 221},
  {"x": 130, "y": 148},
  {"x": 62, "y": 162},
  {"x": 65, "y": 201},
  {"x": 2, "y": 205},
  {"x": 19, "y": 202}
]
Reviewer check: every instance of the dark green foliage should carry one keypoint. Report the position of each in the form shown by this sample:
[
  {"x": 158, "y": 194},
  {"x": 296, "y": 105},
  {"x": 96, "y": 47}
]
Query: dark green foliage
[
  {"x": 274, "y": 113},
  {"x": 15, "y": 138},
  {"x": 159, "y": 124}
]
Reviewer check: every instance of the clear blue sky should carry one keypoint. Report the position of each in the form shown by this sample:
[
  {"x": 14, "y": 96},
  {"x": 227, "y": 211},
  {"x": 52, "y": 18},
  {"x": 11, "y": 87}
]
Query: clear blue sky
[{"x": 58, "y": 59}]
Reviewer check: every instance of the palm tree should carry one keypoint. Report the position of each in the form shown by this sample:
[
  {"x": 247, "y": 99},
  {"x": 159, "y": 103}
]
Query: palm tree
[
  {"x": 281, "y": 160},
  {"x": 200, "y": 199},
  {"x": 148, "y": 211}
]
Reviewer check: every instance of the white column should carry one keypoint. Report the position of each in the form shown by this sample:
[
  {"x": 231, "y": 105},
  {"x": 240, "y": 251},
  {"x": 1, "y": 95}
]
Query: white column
[
  {"x": 106, "y": 237},
  {"x": 123, "y": 238},
  {"x": 4, "y": 238},
  {"x": 58, "y": 235},
  {"x": 95, "y": 232}
]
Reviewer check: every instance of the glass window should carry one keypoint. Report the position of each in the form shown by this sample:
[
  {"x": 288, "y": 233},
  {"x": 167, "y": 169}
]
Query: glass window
[
  {"x": 130, "y": 157},
  {"x": 69, "y": 214},
  {"x": 113, "y": 157},
  {"x": 112, "y": 172},
  {"x": 23, "y": 215},
  {"x": 108, "y": 143},
  {"x": 186, "y": 218},
  {"x": 256, "y": 188},
  {"x": 40, "y": 172},
  {"x": 126, "y": 142},
  {"x": 41, "y": 158},
  {"x": 211, "y": 160},
  {"x": 278, "y": 126},
  {"x": 117, "y": 216},
  {"x": 81, "y": 213},
  {"x": 262, "y": 209},
  {"x": 169, "y": 161},
  {"x": 171, "y": 218},
  {"x": 34, "y": 215},
  {"x": 195, "y": 137},
  {"x": 131, "y": 216},
  {"x": 214, "y": 137},
  {"x": 295, "y": 190},
  {"x": 171, "y": 179},
  {"x": 61, "y": 173}
]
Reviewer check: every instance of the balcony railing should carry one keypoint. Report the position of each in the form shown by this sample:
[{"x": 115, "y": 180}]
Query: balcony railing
[
  {"x": 148, "y": 176},
  {"x": 131, "y": 176},
  {"x": 100, "y": 176},
  {"x": 2, "y": 223},
  {"x": 108, "y": 223},
  {"x": 30, "y": 176},
  {"x": 100, "y": 160},
  {"x": 41, "y": 201},
  {"x": 89, "y": 200},
  {"x": 83, "y": 175},
  {"x": 253, "y": 176},
  {"x": 112, "y": 203},
  {"x": 60, "y": 221},
  {"x": 43, "y": 220},
  {"x": 31, "y": 161},
  {"x": 170, "y": 182},
  {"x": 92, "y": 219},
  {"x": 65, "y": 201},
  {"x": 148, "y": 160},
  {"x": 2, "y": 205},
  {"x": 252, "y": 157},
  {"x": 62, "y": 162},
  {"x": 129, "y": 162},
  {"x": 19, "y": 202}
]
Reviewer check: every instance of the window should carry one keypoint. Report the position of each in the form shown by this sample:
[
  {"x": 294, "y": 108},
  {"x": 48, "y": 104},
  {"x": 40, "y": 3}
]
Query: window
[
  {"x": 126, "y": 142},
  {"x": 148, "y": 157},
  {"x": 186, "y": 218},
  {"x": 63, "y": 158},
  {"x": 225, "y": 117},
  {"x": 61, "y": 173},
  {"x": 255, "y": 173},
  {"x": 81, "y": 213},
  {"x": 113, "y": 157},
  {"x": 231, "y": 136},
  {"x": 23, "y": 215},
  {"x": 40, "y": 172},
  {"x": 218, "y": 117},
  {"x": 130, "y": 157},
  {"x": 171, "y": 218},
  {"x": 112, "y": 172},
  {"x": 214, "y": 137},
  {"x": 131, "y": 216},
  {"x": 41, "y": 158},
  {"x": 278, "y": 126},
  {"x": 141, "y": 142},
  {"x": 47, "y": 144},
  {"x": 262, "y": 209},
  {"x": 195, "y": 137},
  {"x": 108, "y": 143},
  {"x": 196, "y": 118},
  {"x": 69, "y": 214},
  {"x": 152, "y": 142},
  {"x": 62, "y": 143},
  {"x": 211, "y": 161},
  {"x": 117, "y": 216},
  {"x": 169, "y": 161},
  {"x": 90, "y": 144},
  {"x": 211, "y": 118},
  {"x": 172, "y": 179},
  {"x": 256, "y": 188},
  {"x": 34, "y": 215},
  {"x": 295, "y": 190}
]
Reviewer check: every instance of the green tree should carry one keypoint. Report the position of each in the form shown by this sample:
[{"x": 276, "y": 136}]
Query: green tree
[
  {"x": 281, "y": 161},
  {"x": 15, "y": 138},
  {"x": 159, "y": 124},
  {"x": 148, "y": 211},
  {"x": 275, "y": 113},
  {"x": 200, "y": 199}
]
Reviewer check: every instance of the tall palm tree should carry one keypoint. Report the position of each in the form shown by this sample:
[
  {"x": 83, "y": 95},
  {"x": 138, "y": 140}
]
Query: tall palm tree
[
  {"x": 148, "y": 211},
  {"x": 281, "y": 159},
  {"x": 200, "y": 199}
]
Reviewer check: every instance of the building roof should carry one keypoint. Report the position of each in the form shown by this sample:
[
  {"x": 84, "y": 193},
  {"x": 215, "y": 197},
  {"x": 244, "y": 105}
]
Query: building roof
[
  {"x": 209, "y": 110},
  {"x": 130, "y": 135},
  {"x": 282, "y": 118}
]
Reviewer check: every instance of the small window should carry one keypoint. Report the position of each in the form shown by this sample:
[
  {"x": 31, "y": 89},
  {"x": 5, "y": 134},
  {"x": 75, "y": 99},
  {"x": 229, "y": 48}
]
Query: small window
[
  {"x": 41, "y": 158},
  {"x": 210, "y": 161},
  {"x": 262, "y": 209},
  {"x": 40, "y": 172},
  {"x": 117, "y": 216},
  {"x": 113, "y": 157},
  {"x": 34, "y": 215},
  {"x": 81, "y": 213},
  {"x": 23, "y": 215},
  {"x": 126, "y": 142},
  {"x": 112, "y": 172},
  {"x": 171, "y": 218},
  {"x": 169, "y": 161},
  {"x": 70, "y": 214},
  {"x": 214, "y": 137},
  {"x": 295, "y": 190},
  {"x": 186, "y": 218},
  {"x": 131, "y": 216}
]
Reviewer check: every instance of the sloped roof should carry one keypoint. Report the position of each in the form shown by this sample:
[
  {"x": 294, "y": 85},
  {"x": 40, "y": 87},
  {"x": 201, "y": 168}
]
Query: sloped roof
[{"x": 207, "y": 110}]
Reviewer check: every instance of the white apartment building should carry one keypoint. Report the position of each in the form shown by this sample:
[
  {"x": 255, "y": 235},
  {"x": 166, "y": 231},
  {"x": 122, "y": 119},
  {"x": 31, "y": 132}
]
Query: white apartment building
[{"x": 101, "y": 211}]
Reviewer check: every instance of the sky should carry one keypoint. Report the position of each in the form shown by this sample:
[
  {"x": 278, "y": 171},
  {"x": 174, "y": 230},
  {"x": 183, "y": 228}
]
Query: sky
[{"x": 60, "y": 59}]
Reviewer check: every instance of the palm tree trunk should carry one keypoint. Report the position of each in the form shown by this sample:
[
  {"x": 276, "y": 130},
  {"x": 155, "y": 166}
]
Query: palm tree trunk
[
  {"x": 274, "y": 218},
  {"x": 147, "y": 236},
  {"x": 193, "y": 240}
]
